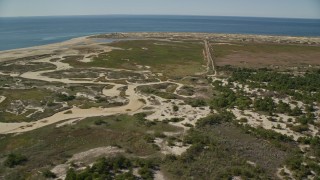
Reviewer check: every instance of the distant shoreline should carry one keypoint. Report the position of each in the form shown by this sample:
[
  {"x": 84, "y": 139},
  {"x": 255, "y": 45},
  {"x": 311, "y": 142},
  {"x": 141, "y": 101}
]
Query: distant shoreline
[
  {"x": 219, "y": 37},
  {"x": 160, "y": 15},
  {"x": 34, "y": 31}
]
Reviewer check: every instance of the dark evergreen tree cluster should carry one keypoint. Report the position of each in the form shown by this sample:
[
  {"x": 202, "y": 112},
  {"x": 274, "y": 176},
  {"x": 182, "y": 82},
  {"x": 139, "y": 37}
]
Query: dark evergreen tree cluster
[
  {"x": 226, "y": 98},
  {"x": 303, "y": 87}
]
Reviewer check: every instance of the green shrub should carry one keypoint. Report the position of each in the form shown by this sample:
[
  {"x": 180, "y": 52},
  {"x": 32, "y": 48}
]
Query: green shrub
[
  {"x": 214, "y": 119},
  {"x": 14, "y": 160},
  {"x": 296, "y": 111},
  {"x": 71, "y": 174},
  {"x": 146, "y": 173},
  {"x": 265, "y": 104},
  {"x": 197, "y": 103},
  {"x": 99, "y": 122},
  {"x": 175, "y": 108},
  {"x": 243, "y": 120},
  {"x": 65, "y": 97},
  {"x": 48, "y": 174},
  {"x": 300, "y": 128}
]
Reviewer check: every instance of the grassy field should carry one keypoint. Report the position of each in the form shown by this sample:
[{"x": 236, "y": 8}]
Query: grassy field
[
  {"x": 49, "y": 146},
  {"x": 170, "y": 58},
  {"x": 222, "y": 50},
  {"x": 265, "y": 55}
]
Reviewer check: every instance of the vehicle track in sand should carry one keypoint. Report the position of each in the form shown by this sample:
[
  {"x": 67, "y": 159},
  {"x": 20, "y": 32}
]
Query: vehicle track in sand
[{"x": 211, "y": 67}]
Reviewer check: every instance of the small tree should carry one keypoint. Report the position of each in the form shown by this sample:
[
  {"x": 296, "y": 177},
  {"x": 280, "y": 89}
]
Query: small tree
[
  {"x": 48, "y": 174},
  {"x": 71, "y": 175},
  {"x": 175, "y": 108}
]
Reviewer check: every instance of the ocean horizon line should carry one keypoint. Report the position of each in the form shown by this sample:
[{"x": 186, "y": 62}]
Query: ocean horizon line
[
  {"x": 160, "y": 15},
  {"x": 23, "y": 32}
]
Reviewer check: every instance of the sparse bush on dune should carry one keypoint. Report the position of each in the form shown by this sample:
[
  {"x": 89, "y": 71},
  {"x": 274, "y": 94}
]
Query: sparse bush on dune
[{"x": 14, "y": 159}]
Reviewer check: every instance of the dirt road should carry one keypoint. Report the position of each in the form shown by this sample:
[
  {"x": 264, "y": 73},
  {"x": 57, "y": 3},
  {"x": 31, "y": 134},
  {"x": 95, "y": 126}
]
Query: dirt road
[{"x": 211, "y": 68}]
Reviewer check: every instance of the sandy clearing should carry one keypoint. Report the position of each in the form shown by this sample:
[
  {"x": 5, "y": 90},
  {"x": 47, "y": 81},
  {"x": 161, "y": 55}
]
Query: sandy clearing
[
  {"x": 256, "y": 120},
  {"x": 165, "y": 111},
  {"x": 86, "y": 157},
  {"x": 287, "y": 171},
  {"x": 178, "y": 149},
  {"x": 179, "y": 88},
  {"x": 95, "y": 153},
  {"x": 158, "y": 175}
]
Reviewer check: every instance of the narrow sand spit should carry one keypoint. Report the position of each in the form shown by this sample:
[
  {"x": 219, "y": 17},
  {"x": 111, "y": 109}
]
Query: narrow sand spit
[{"x": 38, "y": 50}]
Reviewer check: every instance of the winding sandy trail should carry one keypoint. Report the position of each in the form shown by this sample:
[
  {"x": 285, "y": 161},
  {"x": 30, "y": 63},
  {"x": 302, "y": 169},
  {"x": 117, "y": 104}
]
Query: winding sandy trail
[
  {"x": 134, "y": 102},
  {"x": 211, "y": 64},
  {"x": 77, "y": 113},
  {"x": 133, "y": 105}
]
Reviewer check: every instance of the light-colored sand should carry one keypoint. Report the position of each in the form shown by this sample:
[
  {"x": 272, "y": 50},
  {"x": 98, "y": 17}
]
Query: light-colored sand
[
  {"x": 256, "y": 120},
  {"x": 68, "y": 122},
  {"x": 178, "y": 149},
  {"x": 94, "y": 153},
  {"x": 85, "y": 158},
  {"x": 40, "y": 50},
  {"x": 133, "y": 105},
  {"x": 2, "y": 98},
  {"x": 164, "y": 110},
  {"x": 287, "y": 171},
  {"x": 158, "y": 175}
]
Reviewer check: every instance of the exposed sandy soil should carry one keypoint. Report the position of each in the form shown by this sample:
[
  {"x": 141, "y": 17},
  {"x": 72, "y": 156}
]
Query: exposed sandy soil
[
  {"x": 84, "y": 158},
  {"x": 158, "y": 175},
  {"x": 287, "y": 171},
  {"x": 2, "y": 98},
  {"x": 177, "y": 149},
  {"x": 256, "y": 120}
]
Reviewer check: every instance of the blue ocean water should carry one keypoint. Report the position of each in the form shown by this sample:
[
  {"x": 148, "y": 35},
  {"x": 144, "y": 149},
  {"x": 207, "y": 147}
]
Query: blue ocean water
[{"x": 19, "y": 32}]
